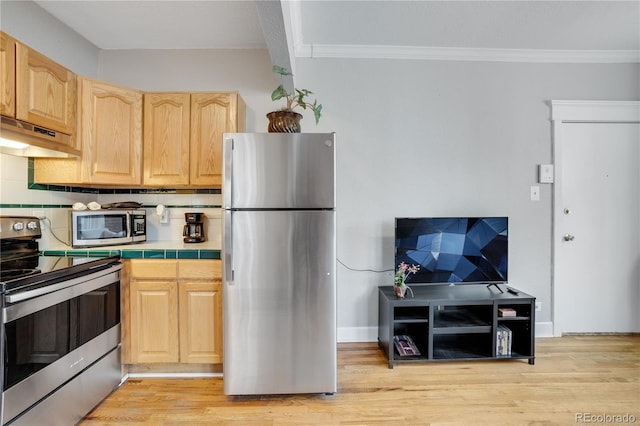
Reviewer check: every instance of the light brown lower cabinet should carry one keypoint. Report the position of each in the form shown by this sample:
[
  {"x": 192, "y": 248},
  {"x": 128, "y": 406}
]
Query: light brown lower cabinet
[{"x": 174, "y": 312}]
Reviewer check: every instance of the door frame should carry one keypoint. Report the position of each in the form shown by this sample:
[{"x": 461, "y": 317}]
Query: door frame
[{"x": 565, "y": 112}]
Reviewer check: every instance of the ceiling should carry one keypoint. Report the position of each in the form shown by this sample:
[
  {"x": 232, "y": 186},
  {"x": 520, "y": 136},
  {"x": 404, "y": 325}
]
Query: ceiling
[
  {"x": 162, "y": 24},
  {"x": 573, "y": 31}
]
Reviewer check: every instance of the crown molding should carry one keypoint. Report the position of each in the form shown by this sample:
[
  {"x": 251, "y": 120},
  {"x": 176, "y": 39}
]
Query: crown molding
[
  {"x": 466, "y": 54},
  {"x": 354, "y": 51},
  {"x": 595, "y": 111}
]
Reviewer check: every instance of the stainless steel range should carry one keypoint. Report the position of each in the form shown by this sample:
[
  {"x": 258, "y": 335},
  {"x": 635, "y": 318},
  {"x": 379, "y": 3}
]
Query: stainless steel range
[{"x": 60, "y": 336}]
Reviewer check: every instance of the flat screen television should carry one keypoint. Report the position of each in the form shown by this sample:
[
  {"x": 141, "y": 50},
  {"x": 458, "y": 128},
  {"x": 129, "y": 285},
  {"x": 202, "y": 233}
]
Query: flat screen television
[{"x": 453, "y": 250}]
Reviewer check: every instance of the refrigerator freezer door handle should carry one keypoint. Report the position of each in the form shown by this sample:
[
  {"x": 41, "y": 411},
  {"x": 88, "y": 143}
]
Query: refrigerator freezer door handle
[
  {"x": 227, "y": 161},
  {"x": 228, "y": 247}
]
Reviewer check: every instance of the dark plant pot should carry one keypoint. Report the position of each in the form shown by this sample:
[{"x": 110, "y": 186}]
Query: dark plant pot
[{"x": 284, "y": 122}]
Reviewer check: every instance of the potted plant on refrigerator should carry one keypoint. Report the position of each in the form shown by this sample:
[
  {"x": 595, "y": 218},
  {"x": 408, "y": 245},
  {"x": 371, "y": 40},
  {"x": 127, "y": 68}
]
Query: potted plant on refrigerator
[{"x": 286, "y": 120}]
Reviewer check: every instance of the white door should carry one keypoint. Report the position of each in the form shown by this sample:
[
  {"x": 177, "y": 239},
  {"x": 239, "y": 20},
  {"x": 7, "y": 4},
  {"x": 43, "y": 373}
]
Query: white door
[{"x": 597, "y": 223}]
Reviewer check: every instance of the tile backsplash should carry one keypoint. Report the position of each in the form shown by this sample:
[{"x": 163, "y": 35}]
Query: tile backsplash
[{"x": 17, "y": 199}]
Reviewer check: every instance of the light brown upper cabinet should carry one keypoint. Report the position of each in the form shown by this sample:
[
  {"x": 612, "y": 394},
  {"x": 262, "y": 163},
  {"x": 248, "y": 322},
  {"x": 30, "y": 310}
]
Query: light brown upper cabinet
[
  {"x": 110, "y": 135},
  {"x": 8, "y": 70},
  {"x": 37, "y": 90},
  {"x": 166, "y": 138},
  {"x": 45, "y": 91},
  {"x": 183, "y": 136}
]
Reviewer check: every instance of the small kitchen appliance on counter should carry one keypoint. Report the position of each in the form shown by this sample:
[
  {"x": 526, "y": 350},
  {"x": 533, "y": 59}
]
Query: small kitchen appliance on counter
[
  {"x": 106, "y": 227},
  {"x": 60, "y": 329},
  {"x": 194, "y": 228}
]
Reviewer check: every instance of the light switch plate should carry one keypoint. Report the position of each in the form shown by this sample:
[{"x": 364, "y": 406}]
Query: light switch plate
[{"x": 545, "y": 173}]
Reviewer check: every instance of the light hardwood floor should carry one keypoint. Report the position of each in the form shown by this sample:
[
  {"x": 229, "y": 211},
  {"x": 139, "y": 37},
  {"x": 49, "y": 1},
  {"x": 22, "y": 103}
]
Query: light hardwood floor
[{"x": 574, "y": 377}]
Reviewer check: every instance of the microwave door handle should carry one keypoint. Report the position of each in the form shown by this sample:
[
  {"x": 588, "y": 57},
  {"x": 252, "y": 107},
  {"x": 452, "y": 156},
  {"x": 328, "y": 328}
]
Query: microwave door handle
[{"x": 129, "y": 225}]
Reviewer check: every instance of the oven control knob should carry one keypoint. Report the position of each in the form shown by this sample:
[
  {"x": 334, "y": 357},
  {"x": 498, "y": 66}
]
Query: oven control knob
[
  {"x": 19, "y": 226},
  {"x": 32, "y": 226}
]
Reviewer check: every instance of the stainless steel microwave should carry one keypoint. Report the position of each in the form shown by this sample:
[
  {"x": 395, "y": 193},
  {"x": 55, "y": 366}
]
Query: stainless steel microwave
[{"x": 93, "y": 228}]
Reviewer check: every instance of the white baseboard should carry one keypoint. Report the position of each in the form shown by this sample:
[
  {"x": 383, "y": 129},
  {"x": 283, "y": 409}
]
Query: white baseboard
[
  {"x": 544, "y": 329},
  {"x": 171, "y": 375},
  {"x": 370, "y": 334},
  {"x": 357, "y": 334}
]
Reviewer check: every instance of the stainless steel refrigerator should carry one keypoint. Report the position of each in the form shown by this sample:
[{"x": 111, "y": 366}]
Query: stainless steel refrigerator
[{"x": 279, "y": 263}]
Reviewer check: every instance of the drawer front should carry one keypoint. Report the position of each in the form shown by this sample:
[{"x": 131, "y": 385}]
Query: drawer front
[
  {"x": 154, "y": 268},
  {"x": 200, "y": 269}
]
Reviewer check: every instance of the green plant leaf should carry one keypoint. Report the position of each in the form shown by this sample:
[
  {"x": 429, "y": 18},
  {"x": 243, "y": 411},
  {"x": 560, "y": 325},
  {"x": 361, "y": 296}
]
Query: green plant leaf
[
  {"x": 281, "y": 70},
  {"x": 317, "y": 110},
  {"x": 300, "y": 98},
  {"x": 279, "y": 93}
]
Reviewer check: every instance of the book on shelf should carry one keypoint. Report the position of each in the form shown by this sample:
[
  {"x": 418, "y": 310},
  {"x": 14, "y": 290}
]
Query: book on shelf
[
  {"x": 503, "y": 341},
  {"x": 507, "y": 312},
  {"x": 405, "y": 345}
]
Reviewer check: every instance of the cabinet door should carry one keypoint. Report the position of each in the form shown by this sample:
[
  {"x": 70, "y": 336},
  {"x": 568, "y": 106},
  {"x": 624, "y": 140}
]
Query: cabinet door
[
  {"x": 45, "y": 91},
  {"x": 200, "y": 322},
  {"x": 154, "y": 321},
  {"x": 111, "y": 132},
  {"x": 200, "y": 288},
  {"x": 109, "y": 135},
  {"x": 8, "y": 70},
  {"x": 137, "y": 283},
  {"x": 212, "y": 114},
  {"x": 166, "y": 139}
]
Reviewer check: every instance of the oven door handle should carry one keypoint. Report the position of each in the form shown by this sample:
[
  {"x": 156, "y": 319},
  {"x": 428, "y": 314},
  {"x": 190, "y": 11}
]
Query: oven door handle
[{"x": 30, "y": 294}]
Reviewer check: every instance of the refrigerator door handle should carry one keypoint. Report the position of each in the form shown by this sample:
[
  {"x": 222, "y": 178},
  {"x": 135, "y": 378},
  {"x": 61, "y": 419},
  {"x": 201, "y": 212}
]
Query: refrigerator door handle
[
  {"x": 228, "y": 247},
  {"x": 227, "y": 165}
]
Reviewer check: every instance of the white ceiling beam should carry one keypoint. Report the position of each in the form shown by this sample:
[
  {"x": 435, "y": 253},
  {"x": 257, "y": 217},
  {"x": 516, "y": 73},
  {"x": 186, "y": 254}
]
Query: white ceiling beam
[{"x": 272, "y": 19}]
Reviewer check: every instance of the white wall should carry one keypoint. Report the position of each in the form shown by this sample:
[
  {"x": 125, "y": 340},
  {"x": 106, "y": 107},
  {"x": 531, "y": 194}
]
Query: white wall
[
  {"x": 416, "y": 138},
  {"x": 423, "y": 138},
  {"x": 245, "y": 70},
  {"x": 38, "y": 29}
]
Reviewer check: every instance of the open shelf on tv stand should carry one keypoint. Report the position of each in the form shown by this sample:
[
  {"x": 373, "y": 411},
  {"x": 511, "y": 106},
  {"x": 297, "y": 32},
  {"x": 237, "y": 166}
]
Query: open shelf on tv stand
[{"x": 460, "y": 322}]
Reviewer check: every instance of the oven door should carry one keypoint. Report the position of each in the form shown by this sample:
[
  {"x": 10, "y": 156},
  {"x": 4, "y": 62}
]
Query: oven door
[{"x": 51, "y": 336}]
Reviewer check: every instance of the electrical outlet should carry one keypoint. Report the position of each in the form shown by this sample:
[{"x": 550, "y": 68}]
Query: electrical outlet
[
  {"x": 538, "y": 306},
  {"x": 164, "y": 217},
  {"x": 535, "y": 193}
]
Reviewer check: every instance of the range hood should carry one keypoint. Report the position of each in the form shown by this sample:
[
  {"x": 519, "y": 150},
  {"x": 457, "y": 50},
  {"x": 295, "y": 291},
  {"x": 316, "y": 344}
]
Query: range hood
[{"x": 27, "y": 140}]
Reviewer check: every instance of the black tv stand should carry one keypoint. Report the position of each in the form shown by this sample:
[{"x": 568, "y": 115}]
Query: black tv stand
[{"x": 465, "y": 322}]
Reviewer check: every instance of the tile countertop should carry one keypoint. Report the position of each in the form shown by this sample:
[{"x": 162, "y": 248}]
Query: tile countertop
[{"x": 148, "y": 250}]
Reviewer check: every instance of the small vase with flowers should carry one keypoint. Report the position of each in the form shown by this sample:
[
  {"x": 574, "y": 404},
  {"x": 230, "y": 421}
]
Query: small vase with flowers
[{"x": 400, "y": 286}]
